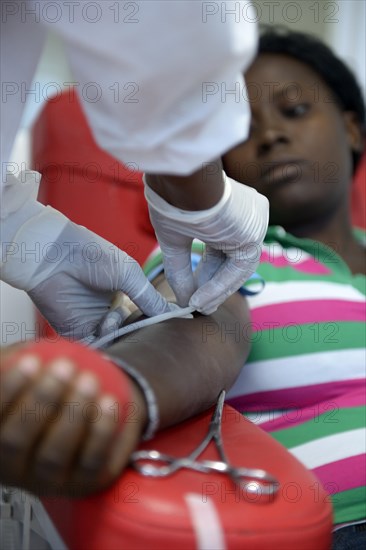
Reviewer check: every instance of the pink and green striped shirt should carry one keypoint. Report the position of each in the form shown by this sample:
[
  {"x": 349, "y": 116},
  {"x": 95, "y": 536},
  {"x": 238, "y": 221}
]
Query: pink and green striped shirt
[{"x": 304, "y": 381}]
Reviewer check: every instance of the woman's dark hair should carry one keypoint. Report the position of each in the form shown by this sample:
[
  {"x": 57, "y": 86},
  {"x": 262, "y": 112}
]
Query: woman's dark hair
[{"x": 310, "y": 50}]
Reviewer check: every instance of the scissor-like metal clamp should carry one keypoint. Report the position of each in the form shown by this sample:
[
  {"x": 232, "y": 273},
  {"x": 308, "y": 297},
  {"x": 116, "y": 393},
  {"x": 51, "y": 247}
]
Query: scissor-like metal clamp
[{"x": 254, "y": 480}]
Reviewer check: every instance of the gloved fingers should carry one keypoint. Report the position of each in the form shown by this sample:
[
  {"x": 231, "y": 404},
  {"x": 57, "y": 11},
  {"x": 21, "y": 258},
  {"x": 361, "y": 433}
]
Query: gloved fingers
[
  {"x": 18, "y": 190},
  {"x": 72, "y": 309},
  {"x": 210, "y": 262},
  {"x": 120, "y": 272},
  {"x": 113, "y": 320},
  {"x": 227, "y": 280},
  {"x": 179, "y": 274},
  {"x": 142, "y": 293},
  {"x": 121, "y": 308}
]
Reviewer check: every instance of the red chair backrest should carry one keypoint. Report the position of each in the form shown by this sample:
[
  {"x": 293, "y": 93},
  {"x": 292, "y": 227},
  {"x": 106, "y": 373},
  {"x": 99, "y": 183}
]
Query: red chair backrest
[
  {"x": 86, "y": 183},
  {"x": 358, "y": 202}
]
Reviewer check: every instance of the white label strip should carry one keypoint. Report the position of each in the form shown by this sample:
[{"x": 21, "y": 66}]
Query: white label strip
[{"x": 206, "y": 523}]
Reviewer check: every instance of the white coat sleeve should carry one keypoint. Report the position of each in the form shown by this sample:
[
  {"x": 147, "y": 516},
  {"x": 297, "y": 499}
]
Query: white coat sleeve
[
  {"x": 161, "y": 82},
  {"x": 22, "y": 38}
]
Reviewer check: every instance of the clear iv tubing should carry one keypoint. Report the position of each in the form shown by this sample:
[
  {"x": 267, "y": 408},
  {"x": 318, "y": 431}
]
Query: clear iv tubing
[{"x": 95, "y": 342}]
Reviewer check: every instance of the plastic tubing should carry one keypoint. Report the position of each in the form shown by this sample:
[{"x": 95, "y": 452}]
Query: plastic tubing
[{"x": 95, "y": 342}]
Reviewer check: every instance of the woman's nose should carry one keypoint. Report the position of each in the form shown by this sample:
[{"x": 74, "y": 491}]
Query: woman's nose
[{"x": 271, "y": 135}]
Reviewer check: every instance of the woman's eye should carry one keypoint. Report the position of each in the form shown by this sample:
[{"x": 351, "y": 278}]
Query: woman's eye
[{"x": 296, "y": 110}]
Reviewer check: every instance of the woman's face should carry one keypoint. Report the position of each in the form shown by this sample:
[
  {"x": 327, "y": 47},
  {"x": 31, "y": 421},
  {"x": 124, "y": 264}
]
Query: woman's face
[{"x": 298, "y": 152}]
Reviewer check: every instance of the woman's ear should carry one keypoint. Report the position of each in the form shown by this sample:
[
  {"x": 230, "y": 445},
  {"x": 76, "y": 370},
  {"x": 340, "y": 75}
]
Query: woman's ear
[{"x": 354, "y": 131}]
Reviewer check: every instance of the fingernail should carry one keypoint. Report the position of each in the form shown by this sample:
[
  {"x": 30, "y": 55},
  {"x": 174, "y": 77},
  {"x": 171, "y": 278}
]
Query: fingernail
[
  {"x": 108, "y": 404},
  {"x": 87, "y": 384},
  {"x": 29, "y": 364},
  {"x": 63, "y": 369}
]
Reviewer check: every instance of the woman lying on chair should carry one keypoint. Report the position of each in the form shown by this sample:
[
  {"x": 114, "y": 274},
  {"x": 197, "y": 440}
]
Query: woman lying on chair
[{"x": 302, "y": 381}]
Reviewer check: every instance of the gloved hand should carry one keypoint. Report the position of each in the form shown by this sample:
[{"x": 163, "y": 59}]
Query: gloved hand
[
  {"x": 233, "y": 231},
  {"x": 70, "y": 273}
]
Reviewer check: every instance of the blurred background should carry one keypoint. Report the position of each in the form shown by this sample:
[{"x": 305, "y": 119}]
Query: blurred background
[{"x": 340, "y": 23}]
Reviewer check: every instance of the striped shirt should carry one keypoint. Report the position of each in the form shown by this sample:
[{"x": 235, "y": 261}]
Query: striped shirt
[{"x": 304, "y": 381}]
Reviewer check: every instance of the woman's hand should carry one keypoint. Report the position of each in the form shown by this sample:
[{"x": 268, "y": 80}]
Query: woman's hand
[{"x": 59, "y": 432}]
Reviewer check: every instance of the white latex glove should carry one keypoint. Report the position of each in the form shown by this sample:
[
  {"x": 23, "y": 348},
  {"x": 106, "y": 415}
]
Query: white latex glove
[
  {"x": 70, "y": 273},
  {"x": 233, "y": 231}
]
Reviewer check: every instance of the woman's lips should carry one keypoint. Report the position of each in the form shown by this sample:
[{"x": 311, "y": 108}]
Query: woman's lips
[{"x": 282, "y": 171}]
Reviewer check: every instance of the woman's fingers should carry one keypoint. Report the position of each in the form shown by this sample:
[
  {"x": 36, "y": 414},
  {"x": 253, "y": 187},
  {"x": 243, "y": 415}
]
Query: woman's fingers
[
  {"x": 26, "y": 415},
  {"x": 90, "y": 469},
  {"x": 57, "y": 453},
  {"x": 15, "y": 380},
  {"x": 60, "y": 434}
]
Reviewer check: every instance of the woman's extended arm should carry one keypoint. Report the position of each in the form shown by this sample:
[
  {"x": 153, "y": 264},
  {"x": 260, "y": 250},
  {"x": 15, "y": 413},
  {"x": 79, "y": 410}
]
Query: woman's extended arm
[{"x": 186, "y": 363}]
